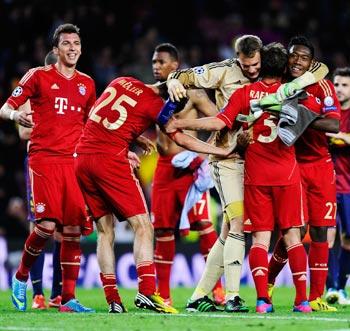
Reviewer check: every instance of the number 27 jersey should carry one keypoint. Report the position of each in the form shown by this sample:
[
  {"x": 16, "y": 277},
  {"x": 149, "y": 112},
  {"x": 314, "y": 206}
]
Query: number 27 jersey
[{"x": 126, "y": 108}]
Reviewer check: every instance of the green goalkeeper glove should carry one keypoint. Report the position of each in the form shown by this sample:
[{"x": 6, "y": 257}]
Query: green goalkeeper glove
[
  {"x": 286, "y": 90},
  {"x": 270, "y": 103}
]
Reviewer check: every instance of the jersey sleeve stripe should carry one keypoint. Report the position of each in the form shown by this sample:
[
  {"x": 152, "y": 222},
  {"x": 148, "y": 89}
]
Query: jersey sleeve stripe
[
  {"x": 325, "y": 88},
  {"x": 315, "y": 67}
]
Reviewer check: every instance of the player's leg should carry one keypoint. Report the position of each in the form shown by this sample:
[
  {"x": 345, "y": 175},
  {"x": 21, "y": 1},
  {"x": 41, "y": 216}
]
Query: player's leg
[
  {"x": 258, "y": 261},
  {"x": 260, "y": 220},
  {"x": 213, "y": 270},
  {"x": 143, "y": 253},
  {"x": 332, "y": 295},
  {"x": 36, "y": 275},
  {"x": 32, "y": 249},
  {"x": 200, "y": 220},
  {"x": 73, "y": 218},
  {"x": 163, "y": 258},
  {"x": 166, "y": 209},
  {"x": 56, "y": 289},
  {"x": 322, "y": 214},
  {"x": 106, "y": 261}
]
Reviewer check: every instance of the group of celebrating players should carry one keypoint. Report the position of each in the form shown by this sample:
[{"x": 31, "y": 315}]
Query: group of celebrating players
[{"x": 79, "y": 155}]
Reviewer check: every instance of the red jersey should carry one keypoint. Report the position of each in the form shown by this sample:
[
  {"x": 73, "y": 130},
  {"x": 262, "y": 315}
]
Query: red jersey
[
  {"x": 126, "y": 108},
  {"x": 313, "y": 144},
  {"x": 341, "y": 156},
  {"x": 60, "y": 108},
  {"x": 268, "y": 161}
]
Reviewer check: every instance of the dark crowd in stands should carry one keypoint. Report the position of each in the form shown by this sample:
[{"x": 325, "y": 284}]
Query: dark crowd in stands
[{"x": 120, "y": 42}]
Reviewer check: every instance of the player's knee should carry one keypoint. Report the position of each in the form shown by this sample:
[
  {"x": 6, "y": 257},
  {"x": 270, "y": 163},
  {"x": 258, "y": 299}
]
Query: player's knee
[
  {"x": 345, "y": 241},
  {"x": 318, "y": 233}
]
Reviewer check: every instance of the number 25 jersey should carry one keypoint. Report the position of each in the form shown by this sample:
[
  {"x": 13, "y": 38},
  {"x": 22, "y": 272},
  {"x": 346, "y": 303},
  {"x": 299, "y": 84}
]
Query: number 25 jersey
[{"x": 126, "y": 108}]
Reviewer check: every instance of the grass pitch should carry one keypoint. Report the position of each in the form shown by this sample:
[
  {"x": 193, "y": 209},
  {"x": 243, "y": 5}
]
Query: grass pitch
[{"x": 138, "y": 320}]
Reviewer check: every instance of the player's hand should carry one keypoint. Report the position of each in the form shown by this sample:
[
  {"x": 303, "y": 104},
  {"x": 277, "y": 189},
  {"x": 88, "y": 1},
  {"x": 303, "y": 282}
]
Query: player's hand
[
  {"x": 146, "y": 144},
  {"x": 176, "y": 90},
  {"x": 286, "y": 90},
  {"x": 134, "y": 160},
  {"x": 24, "y": 118}
]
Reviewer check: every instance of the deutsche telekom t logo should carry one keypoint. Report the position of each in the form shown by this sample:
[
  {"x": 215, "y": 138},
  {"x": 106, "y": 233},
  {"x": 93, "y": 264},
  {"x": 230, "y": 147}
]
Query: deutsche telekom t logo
[{"x": 61, "y": 104}]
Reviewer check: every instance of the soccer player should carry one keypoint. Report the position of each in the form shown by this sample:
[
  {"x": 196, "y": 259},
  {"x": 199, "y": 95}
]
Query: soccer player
[
  {"x": 125, "y": 109},
  {"x": 60, "y": 98},
  {"x": 317, "y": 173},
  {"x": 226, "y": 77},
  {"x": 271, "y": 181},
  {"x": 170, "y": 184},
  {"x": 340, "y": 150},
  {"x": 36, "y": 271}
]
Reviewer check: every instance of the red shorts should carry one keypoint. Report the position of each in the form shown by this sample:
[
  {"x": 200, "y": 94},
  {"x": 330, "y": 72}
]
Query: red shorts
[
  {"x": 56, "y": 193},
  {"x": 319, "y": 189},
  {"x": 109, "y": 186},
  {"x": 265, "y": 206},
  {"x": 170, "y": 186}
]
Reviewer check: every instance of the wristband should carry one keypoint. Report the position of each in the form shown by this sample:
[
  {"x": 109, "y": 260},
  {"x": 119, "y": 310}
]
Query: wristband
[{"x": 12, "y": 115}]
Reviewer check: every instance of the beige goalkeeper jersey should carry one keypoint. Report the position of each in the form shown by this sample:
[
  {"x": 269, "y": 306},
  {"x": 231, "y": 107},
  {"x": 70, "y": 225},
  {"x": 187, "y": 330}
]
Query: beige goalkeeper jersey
[{"x": 226, "y": 77}]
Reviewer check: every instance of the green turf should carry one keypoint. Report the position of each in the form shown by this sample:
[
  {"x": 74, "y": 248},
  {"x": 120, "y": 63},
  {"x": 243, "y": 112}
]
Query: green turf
[{"x": 136, "y": 320}]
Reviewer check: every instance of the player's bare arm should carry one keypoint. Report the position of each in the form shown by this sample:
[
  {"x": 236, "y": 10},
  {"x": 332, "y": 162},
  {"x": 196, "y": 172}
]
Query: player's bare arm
[
  {"x": 194, "y": 144},
  {"x": 205, "y": 123},
  {"x": 326, "y": 124}
]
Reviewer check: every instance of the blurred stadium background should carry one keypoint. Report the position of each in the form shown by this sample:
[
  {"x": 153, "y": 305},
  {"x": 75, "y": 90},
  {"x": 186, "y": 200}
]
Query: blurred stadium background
[{"x": 119, "y": 42}]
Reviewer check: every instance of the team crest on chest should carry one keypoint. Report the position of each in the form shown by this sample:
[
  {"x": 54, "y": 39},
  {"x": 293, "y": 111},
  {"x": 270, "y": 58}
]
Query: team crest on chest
[{"x": 82, "y": 89}]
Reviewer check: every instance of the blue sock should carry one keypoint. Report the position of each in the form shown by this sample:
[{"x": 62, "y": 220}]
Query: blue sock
[
  {"x": 57, "y": 272},
  {"x": 333, "y": 269},
  {"x": 344, "y": 268},
  {"x": 36, "y": 274}
]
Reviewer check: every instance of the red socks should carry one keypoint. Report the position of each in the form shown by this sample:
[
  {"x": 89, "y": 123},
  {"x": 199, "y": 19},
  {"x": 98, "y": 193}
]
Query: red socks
[
  {"x": 297, "y": 262},
  {"x": 163, "y": 259},
  {"x": 70, "y": 264},
  {"x": 318, "y": 265},
  {"x": 32, "y": 249},
  {"x": 278, "y": 260},
  {"x": 109, "y": 283},
  {"x": 147, "y": 277},
  {"x": 258, "y": 261}
]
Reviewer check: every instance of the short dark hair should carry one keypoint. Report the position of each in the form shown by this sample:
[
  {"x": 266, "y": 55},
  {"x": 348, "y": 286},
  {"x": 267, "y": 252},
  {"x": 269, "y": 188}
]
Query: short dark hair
[
  {"x": 304, "y": 41},
  {"x": 274, "y": 60},
  {"x": 168, "y": 48},
  {"x": 50, "y": 58},
  {"x": 64, "y": 28},
  {"x": 344, "y": 72},
  {"x": 248, "y": 45}
]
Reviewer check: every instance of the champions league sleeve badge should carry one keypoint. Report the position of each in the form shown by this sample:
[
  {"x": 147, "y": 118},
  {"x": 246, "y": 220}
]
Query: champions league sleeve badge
[
  {"x": 82, "y": 89},
  {"x": 17, "y": 91},
  {"x": 328, "y": 104},
  {"x": 198, "y": 70}
]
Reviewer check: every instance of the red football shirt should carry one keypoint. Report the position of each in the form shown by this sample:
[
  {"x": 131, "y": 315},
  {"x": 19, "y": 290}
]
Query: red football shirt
[
  {"x": 60, "y": 108},
  {"x": 268, "y": 161},
  {"x": 341, "y": 156},
  {"x": 313, "y": 144},
  {"x": 126, "y": 108}
]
